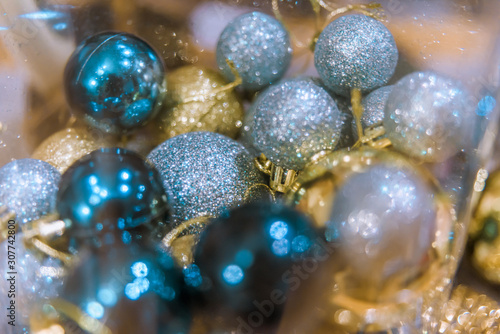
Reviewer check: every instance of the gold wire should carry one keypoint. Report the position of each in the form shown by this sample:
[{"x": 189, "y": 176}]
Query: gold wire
[
  {"x": 83, "y": 320},
  {"x": 171, "y": 236},
  {"x": 67, "y": 259}
]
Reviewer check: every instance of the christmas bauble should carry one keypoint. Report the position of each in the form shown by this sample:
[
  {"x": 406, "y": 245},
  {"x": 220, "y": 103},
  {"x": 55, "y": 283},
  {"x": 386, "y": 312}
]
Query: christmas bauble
[
  {"x": 293, "y": 120},
  {"x": 243, "y": 280},
  {"x": 259, "y": 47},
  {"x": 115, "y": 81},
  {"x": 63, "y": 148},
  {"x": 193, "y": 107},
  {"x": 28, "y": 187},
  {"x": 204, "y": 174},
  {"x": 355, "y": 51},
  {"x": 429, "y": 117},
  {"x": 110, "y": 189}
]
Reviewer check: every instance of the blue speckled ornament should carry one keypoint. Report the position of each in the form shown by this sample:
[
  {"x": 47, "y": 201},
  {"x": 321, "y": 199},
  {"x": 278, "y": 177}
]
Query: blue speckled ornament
[
  {"x": 129, "y": 290},
  {"x": 429, "y": 117},
  {"x": 293, "y": 120},
  {"x": 110, "y": 189},
  {"x": 28, "y": 187},
  {"x": 115, "y": 81},
  {"x": 355, "y": 51},
  {"x": 373, "y": 109},
  {"x": 205, "y": 174},
  {"x": 259, "y": 47},
  {"x": 245, "y": 258}
]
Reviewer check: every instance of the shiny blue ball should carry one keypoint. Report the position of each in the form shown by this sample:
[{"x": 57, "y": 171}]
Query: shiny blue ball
[
  {"x": 246, "y": 258},
  {"x": 259, "y": 47},
  {"x": 355, "y": 51},
  {"x": 110, "y": 189},
  {"x": 115, "y": 81}
]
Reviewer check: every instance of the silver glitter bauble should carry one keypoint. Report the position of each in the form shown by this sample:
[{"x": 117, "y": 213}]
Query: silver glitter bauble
[
  {"x": 429, "y": 117},
  {"x": 293, "y": 120},
  {"x": 373, "y": 109},
  {"x": 205, "y": 174},
  {"x": 28, "y": 187},
  {"x": 355, "y": 51}
]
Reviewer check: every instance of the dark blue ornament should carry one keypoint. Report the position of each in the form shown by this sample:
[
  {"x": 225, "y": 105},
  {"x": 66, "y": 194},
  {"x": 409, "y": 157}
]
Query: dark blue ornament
[
  {"x": 115, "y": 81},
  {"x": 129, "y": 290},
  {"x": 243, "y": 263},
  {"x": 107, "y": 190}
]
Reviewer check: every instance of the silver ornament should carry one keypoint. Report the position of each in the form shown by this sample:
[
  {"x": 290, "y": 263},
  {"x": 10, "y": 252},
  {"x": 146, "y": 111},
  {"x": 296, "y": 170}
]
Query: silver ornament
[
  {"x": 28, "y": 187},
  {"x": 205, "y": 174}
]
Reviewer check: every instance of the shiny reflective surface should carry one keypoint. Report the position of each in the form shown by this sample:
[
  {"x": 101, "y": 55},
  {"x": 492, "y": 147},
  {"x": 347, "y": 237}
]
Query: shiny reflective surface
[
  {"x": 115, "y": 81},
  {"x": 244, "y": 258},
  {"x": 110, "y": 189}
]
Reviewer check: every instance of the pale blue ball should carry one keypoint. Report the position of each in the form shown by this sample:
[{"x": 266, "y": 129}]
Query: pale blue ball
[
  {"x": 259, "y": 47},
  {"x": 355, "y": 51}
]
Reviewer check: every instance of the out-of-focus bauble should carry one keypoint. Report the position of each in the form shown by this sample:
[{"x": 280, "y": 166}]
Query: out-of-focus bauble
[
  {"x": 110, "y": 189},
  {"x": 243, "y": 280},
  {"x": 259, "y": 47},
  {"x": 63, "y": 148},
  {"x": 355, "y": 51},
  {"x": 115, "y": 81},
  {"x": 222, "y": 113},
  {"x": 205, "y": 174},
  {"x": 28, "y": 187},
  {"x": 429, "y": 117},
  {"x": 293, "y": 120}
]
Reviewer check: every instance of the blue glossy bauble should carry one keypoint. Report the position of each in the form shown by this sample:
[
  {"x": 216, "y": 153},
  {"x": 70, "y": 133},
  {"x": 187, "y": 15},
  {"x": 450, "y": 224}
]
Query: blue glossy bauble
[
  {"x": 259, "y": 47},
  {"x": 110, "y": 189},
  {"x": 244, "y": 262},
  {"x": 355, "y": 51},
  {"x": 115, "y": 81},
  {"x": 129, "y": 290}
]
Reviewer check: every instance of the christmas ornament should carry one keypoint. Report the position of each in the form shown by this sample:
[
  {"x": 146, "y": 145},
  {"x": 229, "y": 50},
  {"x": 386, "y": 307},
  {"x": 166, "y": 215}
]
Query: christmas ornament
[
  {"x": 389, "y": 226},
  {"x": 204, "y": 174},
  {"x": 115, "y": 81},
  {"x": 259, "y": 47},
  {"x": 195, "y": 106},
  {"x": 63, "y": 148},
  {"x": 243, "y": 280},
  {"x": 28, "y": 187},
  {"x": 355, "y": 51},
  {"x": 123, "y": 289},
  {"x": 110, "y": 189},
  {"x": 36, "y": 280},
  {"x": 429, "y": 117},
  {"x": 292, "y": 121},
  {"x": 373, "y": 109}
]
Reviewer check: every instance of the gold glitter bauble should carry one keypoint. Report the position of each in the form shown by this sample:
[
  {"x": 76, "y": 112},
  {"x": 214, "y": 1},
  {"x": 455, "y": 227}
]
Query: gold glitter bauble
[
  {"x": 68, "y": 145},
  {"x": 192, "y": 107}
]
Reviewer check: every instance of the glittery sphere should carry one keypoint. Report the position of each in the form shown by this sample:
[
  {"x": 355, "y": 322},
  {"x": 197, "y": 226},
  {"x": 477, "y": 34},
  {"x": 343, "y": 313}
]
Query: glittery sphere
[
  {"x": 109, "y": 189},
  {"x": 63, "y": 148},
  {"x": 259, "y": 47},
  {"x": 293, "y": 120},
  {"x": 222, "y": 113},
  {"x": 373, "y": 109},
  {"x": 355, "y": 51},
  {"x": 204, "y": 174},
  {"x": 129, "y": 291},
  {"x": 261, "y": 244},
  {"x": 28, "y": 187},
  {"x": 428, "y": 116},
  {"x": 115, "y": 81}
]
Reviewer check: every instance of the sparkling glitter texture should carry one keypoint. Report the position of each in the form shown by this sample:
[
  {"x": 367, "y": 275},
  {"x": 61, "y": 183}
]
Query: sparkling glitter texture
[
  {"x": 66, "y": 146},
  {"x": 373, "y": 105},
  {"x": 222, "y": 113},
  {"x": 293, "y": 120},
  {"x": 428, "y": 116},
  {"x": 204, "y": 173},
  {"x": 260, "y": 48},
  {"x": 28, "y": 187},
  {"x": 355, "y": 51}
]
